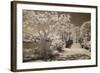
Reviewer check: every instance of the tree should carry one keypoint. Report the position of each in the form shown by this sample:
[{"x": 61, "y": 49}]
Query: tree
[
  {"x": 76, "y": 34},
  {"x": 46, "y": 24},
  {"x": 85, "y": 35}
]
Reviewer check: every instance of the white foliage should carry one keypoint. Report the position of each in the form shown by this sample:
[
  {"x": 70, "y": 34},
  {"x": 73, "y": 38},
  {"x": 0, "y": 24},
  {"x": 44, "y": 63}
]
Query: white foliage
[{"x": 57, "y": 42}]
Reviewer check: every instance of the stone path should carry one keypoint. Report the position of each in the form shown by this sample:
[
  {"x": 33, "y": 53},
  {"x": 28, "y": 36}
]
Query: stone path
[
  {"x": 75, "y": 46},
  {"x": 75, "y": 52}
]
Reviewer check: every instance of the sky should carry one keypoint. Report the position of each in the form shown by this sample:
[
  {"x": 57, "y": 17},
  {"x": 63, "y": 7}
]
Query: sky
[{"x": 79, "y": 18}]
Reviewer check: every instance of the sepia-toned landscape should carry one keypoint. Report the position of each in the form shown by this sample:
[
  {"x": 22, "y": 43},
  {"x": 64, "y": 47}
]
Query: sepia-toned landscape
[{"x": 56, "y": 36}]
